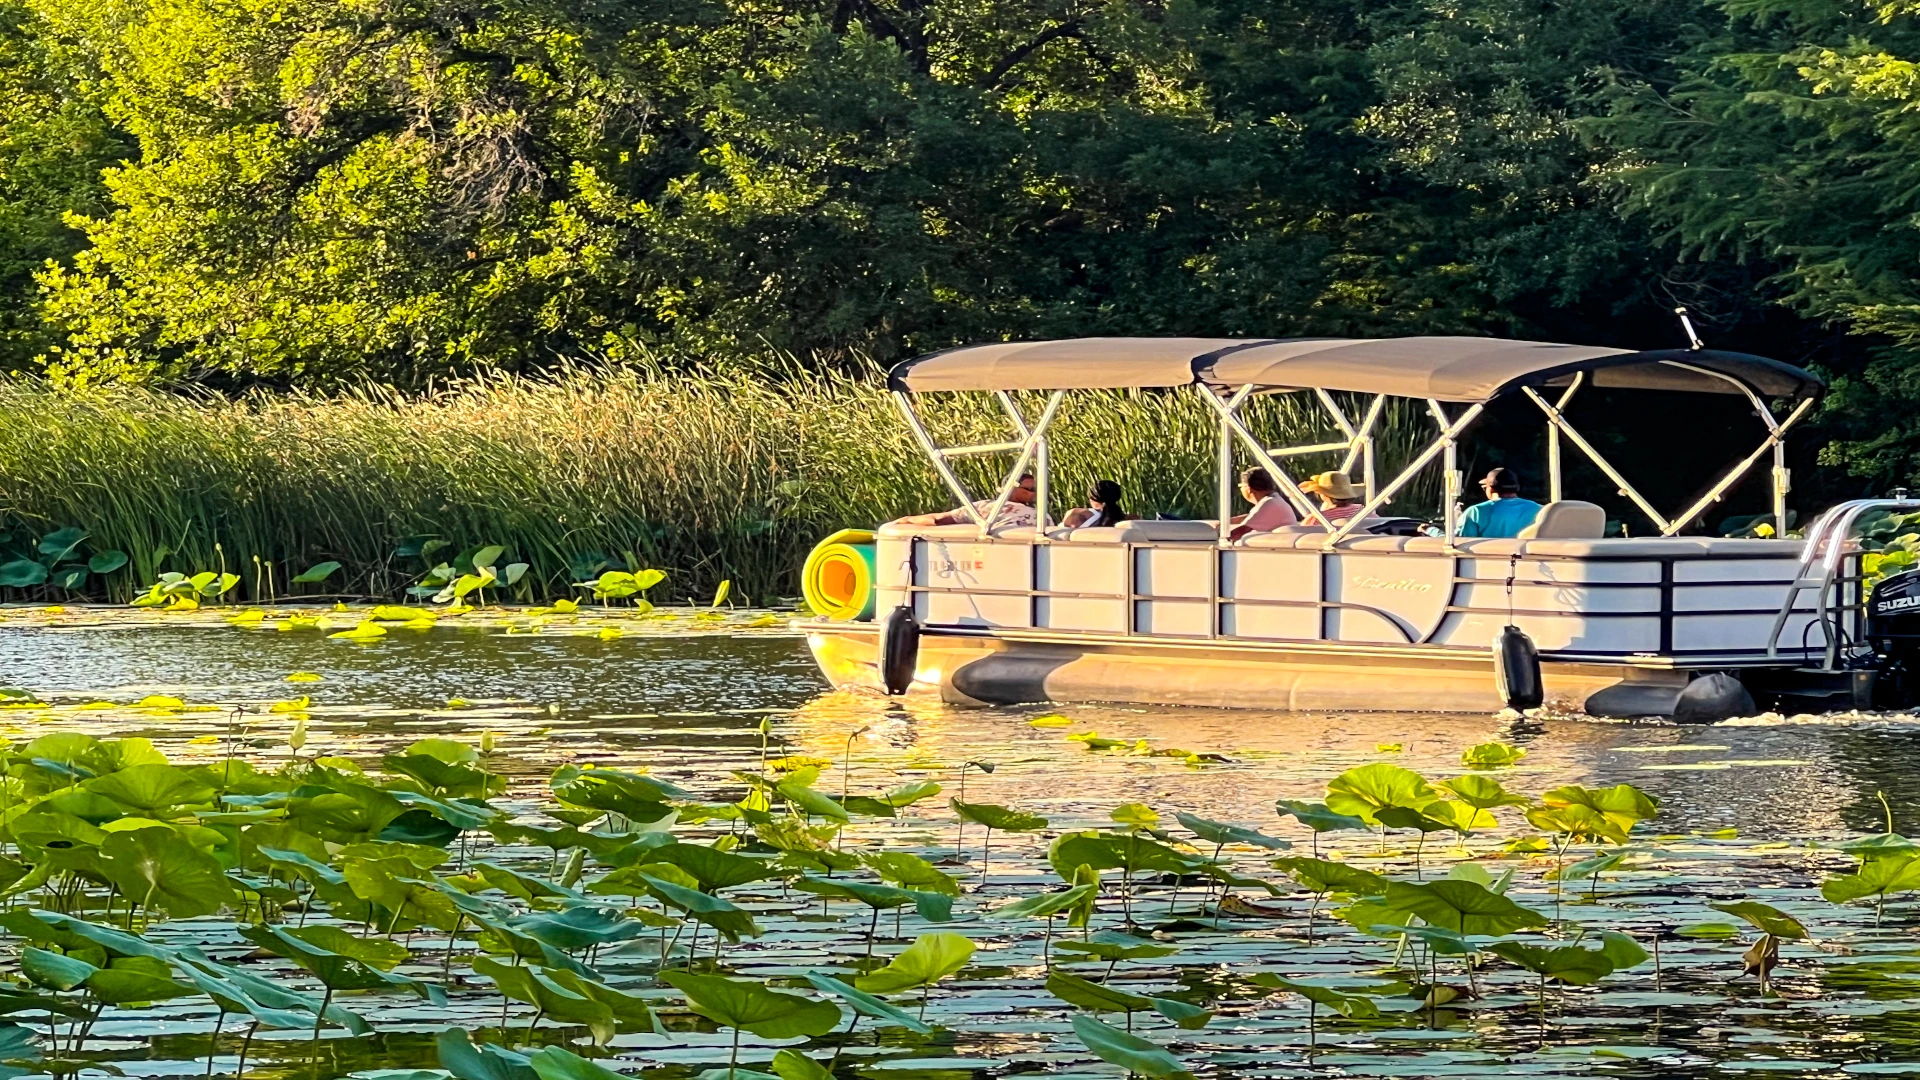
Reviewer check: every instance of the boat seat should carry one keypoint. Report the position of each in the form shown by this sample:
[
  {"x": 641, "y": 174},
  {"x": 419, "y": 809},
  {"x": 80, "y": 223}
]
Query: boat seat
[
  {"x": 1142, "y": 531},
  {"x": 966, "y": 530},
  {"x": 1567, "y": 519}
]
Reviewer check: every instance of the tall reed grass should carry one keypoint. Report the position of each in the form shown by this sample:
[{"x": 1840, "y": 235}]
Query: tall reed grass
[{"x": 707, "y": 477}]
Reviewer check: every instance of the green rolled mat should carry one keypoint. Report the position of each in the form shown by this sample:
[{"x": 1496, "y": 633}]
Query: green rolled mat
[{"x": 838, "y": 577}]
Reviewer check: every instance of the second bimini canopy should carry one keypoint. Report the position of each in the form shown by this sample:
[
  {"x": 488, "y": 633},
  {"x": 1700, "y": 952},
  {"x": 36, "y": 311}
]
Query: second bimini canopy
[{"x": 1459, "y": 369}]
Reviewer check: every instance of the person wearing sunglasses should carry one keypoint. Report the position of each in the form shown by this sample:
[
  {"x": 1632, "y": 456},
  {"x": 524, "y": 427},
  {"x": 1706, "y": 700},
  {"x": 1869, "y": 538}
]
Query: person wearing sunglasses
[{"x": 1016, "y": 512}]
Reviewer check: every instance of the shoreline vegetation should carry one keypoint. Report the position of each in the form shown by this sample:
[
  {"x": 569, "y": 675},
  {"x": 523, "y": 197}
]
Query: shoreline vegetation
[{"x": 726, "y": 476}]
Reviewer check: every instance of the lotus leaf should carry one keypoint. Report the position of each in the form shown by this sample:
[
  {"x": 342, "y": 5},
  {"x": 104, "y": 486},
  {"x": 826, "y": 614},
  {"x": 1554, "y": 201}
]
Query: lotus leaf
[
  {"x": 866, "y": 1004},
  {"x": 712, "y": 868},
  {"x": 1882, "y": 877},
  {"x": 732, "y": 922},
  {"x": 1317, "y": 817},
  {"x": 1567, "y": 963},
  {"x": 554, "y": 1063},
  {"x": 1092, "y": 996},
  {"x": 1481, "y": 792},
  {"x": 1324, "y": 876},
  {"x": 157, "y": 868},
  {"x": 315, "y": 574},
  {"x": 929, "y": 959},
  {"x": 106, "y": 562},
  {"x": 339, "y": 960},
  {"x": 1108, "y": 851},
  {"x": 1492, "y": 755},
  {"x": 908, "y": 794},
  {"x": 1622, "y": 804},
  {"x": 793, "y": 1065},
  {"x": 752, "y": 1007},
  {"x": 152, "y": 789},
  {"x": 1461, "y": 906},
  {"x": 1135, "y": 815},
  {"x": 910, "y": 871},
  {"x": 1130, "y": 1052},
  {"x": 549, "y": 997},
  {"x": 349, "y": 814},
  {"x": 1221, "y": 833},
  {"x": 1046, "y": 905},
  {"x": 1766, "y": 918},
  {"x": 931, "y": 906},
  {"x": 466, "y": 1060},
  {"x": 1113, "y": 945},
  {"x": 1361, "y": 791},
  {"x": 1352, "y": 1006},
  {"x": 997, "y": 817}
]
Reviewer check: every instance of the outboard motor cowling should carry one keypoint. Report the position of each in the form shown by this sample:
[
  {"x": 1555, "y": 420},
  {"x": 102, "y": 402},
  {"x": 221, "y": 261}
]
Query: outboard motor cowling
[{"x": 1893, "y": 629}]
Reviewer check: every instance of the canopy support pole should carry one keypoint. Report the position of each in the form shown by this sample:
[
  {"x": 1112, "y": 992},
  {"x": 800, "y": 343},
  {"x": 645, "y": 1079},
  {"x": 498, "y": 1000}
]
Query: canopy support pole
[
  {"x": 1775, "y": 441},
  {"x": 1554, "y": 491},
  {"x": 1225, "y": 485},
  {"x": 1447, "y": 436},
  {"x": 938, "y": 457},
  {"x": 1613, "y": 474},
  {"x": 1449, "y": 473},
  {"x": 1028, "y": 448},
  {"x": 1041, "y": 463},
  {"x": 1291, "y": 490},
  {"x": 1363, "y": 445}
]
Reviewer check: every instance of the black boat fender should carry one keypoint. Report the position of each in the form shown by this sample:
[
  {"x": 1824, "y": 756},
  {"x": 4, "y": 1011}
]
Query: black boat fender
[
  {"x": 1516, "y": 670},
  {"x": 899, "y": 649}
]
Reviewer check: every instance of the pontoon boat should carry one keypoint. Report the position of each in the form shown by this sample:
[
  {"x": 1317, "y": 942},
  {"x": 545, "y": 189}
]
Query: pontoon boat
[{"x": 1331, "y": 615}]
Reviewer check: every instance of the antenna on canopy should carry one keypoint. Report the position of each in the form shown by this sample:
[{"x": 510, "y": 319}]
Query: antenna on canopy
[{"x": 1687, "y": 325}]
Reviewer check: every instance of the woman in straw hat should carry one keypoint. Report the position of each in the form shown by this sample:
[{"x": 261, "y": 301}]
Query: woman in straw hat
[{"x": 1339, "y": 500}]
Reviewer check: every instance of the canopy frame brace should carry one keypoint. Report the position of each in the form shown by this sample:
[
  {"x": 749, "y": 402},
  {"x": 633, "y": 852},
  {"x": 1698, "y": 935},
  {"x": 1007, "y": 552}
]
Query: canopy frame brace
[
  {"x": 1029, "y": 449},
  {"x": 1774, "y": 441}
]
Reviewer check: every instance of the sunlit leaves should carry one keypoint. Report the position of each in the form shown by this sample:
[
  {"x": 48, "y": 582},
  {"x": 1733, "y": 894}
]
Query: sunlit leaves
[
  {"x": 1363, "y": 791},
  {"x": 749, "y": 1006},
  {"x": 1462, "y": 907},
  {"x": 929, "y": 959}
]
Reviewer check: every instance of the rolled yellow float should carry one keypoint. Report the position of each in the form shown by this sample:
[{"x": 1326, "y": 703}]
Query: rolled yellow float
[{"x": 838, "y": 577}]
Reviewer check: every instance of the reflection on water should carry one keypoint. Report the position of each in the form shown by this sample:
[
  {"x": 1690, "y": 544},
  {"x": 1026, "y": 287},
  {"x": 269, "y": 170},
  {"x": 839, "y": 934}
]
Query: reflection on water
[
  {"x": 690, "y": 707},
  {"x": 689, "y": 695}
]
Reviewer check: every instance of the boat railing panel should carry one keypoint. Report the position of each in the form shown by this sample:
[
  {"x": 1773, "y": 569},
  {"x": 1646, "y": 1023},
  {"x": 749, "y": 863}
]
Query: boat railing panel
[{"x": 1619, "y": 597}]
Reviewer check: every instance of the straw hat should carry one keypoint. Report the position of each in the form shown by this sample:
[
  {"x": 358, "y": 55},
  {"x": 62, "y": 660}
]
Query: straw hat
[{"x": 1334, "y": 485}]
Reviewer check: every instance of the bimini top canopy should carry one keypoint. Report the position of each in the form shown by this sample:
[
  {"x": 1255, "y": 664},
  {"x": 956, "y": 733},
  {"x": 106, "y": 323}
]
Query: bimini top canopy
[{"x": 1464, "y": 369}]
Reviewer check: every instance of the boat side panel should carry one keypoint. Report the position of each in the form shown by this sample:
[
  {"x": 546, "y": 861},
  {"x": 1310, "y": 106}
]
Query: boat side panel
[
  {"x": 1247, "y": 574},
  {"x": 1554, "y": 571},
  {"x": 1555, "y": 633},
  {"x": 1388, "y": 598},
  {"x": 1082, "y": 568}
]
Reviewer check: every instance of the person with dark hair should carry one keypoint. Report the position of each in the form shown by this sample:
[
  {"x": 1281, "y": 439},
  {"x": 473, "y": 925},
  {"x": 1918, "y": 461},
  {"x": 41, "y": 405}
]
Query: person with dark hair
[
  {"x": 1269, "y": 512},
  {"x": 1102, "y": 510},
  {"x": 1016, "y": 512},
  {"x": 1504, "y": 513}
]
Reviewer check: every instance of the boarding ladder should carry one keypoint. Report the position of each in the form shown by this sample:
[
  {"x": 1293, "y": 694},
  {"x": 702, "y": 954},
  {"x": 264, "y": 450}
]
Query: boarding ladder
[{"x": 1819, "y": 570}]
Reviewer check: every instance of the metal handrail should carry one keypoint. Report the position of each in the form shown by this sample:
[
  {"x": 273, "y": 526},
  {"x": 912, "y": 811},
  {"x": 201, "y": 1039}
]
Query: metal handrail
[{"x": 1826, "y": 543}]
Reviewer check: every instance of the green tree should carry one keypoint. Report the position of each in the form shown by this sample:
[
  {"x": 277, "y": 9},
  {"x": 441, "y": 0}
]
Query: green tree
[{"x": 1790, "y": 143}]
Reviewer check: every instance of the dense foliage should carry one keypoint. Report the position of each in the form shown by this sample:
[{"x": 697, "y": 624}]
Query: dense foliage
[{"x": 317, "y": 192}]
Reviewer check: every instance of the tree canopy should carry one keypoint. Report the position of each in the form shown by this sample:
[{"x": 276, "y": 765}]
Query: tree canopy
[{"x": 321, "y": 192}]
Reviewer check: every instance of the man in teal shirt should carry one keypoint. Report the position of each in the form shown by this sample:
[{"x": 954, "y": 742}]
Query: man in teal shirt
[{"x": 1504, "y": 513}]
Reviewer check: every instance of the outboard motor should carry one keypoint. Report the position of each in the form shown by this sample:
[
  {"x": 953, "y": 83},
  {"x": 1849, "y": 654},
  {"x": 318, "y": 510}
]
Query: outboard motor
[{"x": 1893, "y": 629}]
